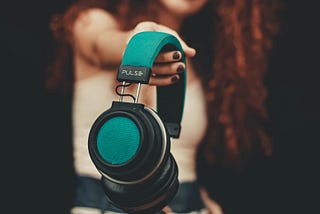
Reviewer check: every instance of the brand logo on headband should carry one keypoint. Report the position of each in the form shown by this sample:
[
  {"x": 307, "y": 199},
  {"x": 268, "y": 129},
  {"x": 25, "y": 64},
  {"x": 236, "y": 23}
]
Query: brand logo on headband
[{"x": 137, "y": 74}]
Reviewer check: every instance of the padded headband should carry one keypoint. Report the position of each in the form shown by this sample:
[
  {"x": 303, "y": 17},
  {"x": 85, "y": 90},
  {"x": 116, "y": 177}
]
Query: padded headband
[{"x": 136, "y": 65}]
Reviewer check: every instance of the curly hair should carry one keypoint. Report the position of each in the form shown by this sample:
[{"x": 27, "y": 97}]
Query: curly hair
[
  {"x": 232, "y": 39},
  {"x": 236, "y": 95}
]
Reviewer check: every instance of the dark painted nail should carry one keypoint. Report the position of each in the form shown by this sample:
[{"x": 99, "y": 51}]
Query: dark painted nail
[
  {"x": 175, "y": 79},
  {"x": 180, "y": 69},
  {"x": 176, "y": 55}
]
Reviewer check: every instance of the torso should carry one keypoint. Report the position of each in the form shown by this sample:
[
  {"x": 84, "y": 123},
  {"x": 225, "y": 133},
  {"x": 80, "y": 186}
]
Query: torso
[{"x": 94, "y": 93}]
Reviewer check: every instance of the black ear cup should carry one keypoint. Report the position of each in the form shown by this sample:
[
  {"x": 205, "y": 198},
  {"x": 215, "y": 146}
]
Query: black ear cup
[
  {"x": 146, "y": 197},
  {"x": 130, "y": 147}
]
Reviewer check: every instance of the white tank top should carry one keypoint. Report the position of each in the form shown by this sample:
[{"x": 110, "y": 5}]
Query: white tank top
[{"x": 95, "y": 94}]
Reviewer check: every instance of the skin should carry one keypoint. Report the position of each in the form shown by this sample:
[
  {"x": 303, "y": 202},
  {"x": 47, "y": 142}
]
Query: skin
[
  {"x": 93, "y": 53},
  {"x": 96, "y": 51}
]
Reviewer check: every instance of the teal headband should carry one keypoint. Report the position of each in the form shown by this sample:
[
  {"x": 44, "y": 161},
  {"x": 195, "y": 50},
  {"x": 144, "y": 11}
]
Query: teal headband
[{"x": 136, "y": 66}]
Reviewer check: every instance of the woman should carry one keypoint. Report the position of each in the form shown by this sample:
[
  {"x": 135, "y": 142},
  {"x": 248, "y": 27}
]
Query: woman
[{"x": 226, "y": 45}]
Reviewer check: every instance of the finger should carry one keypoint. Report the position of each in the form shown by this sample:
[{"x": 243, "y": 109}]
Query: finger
[
  {"x": 164, "y": 80},
  {"x": 168, "y": 68},
  {"x": 167, "y": 209},
  {"x": 170, "y": 56},
  {"x": 189, "y": 52}
]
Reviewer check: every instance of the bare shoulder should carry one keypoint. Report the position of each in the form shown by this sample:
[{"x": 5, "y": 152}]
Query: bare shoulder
[{"x": 96, "y": 18}]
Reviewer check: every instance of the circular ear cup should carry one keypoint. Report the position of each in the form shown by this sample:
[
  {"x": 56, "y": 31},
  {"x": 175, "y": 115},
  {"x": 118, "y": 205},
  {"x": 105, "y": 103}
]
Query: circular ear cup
[
  {"x": 146, "y": 197},
  {"x": 130, "y": 147}
]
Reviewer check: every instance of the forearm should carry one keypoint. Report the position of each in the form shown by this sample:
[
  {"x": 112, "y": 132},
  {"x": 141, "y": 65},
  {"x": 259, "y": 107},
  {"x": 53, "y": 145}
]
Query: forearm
[
  {"x": 97, "y": 38},
  {"x": 212, "y": 206},
  {"x": 109, "y": 47}
]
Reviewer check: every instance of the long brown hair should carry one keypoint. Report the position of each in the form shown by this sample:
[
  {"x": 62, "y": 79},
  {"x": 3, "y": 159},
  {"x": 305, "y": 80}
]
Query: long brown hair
[
  {"x": 232, "y": 39},
  {"x": 244, "y": 31}
]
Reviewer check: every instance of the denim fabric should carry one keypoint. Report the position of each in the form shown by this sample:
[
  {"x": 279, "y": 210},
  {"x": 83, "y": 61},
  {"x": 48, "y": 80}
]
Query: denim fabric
[
  {"x": 187, "y": 198},
  {"x": 89, "y": 193}
]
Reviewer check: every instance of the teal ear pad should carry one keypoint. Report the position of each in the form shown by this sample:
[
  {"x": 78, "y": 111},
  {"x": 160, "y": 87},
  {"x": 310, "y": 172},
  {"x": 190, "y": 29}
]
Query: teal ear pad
[
  {"x": 118, "y": 148},
  {"x": 127, "y": 142},
  {"x": 130, "y": 143}
]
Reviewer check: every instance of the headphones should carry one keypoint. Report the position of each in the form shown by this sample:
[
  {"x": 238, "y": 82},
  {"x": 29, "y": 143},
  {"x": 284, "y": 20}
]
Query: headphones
[{"x": 129, "y": 143}]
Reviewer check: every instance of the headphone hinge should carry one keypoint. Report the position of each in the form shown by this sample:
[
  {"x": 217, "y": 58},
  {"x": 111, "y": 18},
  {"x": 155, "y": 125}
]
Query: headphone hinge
[{"x": 173, "y": 129}]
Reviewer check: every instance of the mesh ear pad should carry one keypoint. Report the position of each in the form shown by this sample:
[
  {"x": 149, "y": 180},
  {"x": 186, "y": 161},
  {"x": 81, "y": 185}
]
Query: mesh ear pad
[{"x": 130, "y": 143}]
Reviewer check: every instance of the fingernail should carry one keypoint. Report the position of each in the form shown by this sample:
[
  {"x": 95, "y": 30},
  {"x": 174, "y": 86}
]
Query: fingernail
[
  {"x": 180, "y": 69},
  {"x": 176, "y": 55},
  {"x": 175, "y": 79}
]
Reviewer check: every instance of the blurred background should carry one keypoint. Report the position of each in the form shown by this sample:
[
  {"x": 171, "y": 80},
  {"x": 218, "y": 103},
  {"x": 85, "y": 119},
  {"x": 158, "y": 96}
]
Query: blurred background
[{"x": 33, "y": 164}]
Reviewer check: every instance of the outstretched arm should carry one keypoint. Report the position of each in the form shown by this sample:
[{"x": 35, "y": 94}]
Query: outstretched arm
[{"x": 98, "y": 39}]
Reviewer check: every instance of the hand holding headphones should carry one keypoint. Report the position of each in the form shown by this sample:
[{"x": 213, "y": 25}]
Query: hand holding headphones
[{"x": 130, "y": 143}]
